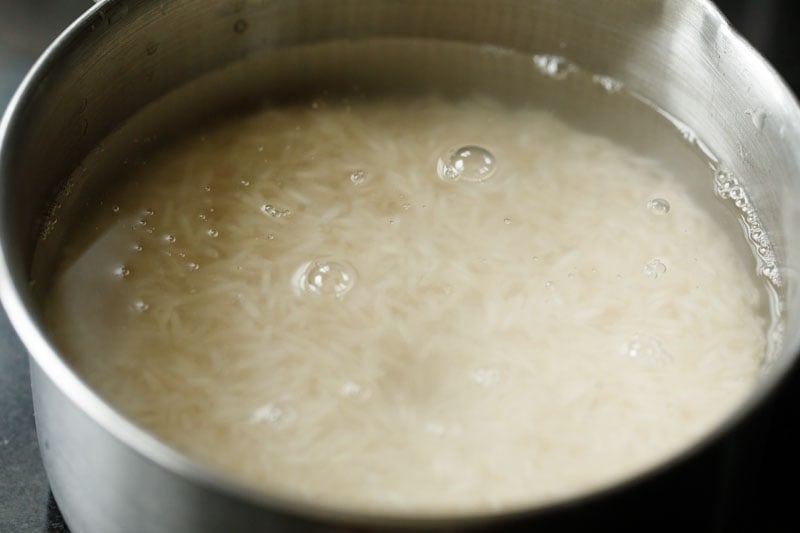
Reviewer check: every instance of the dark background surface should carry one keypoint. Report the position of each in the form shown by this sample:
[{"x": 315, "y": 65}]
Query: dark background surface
[{"x": 26, "y": 27}]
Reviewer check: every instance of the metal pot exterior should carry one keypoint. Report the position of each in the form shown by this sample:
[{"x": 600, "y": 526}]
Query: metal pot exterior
[{"x": 108, "y": 476}]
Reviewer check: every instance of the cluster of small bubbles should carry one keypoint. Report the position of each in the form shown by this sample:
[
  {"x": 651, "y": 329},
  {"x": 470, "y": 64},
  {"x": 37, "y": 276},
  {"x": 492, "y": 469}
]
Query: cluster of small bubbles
[
  {"x": 736, "y": 193},
  {"x": 325, "y": 278},
  {"x": 727, "y": 187},
  {"x": 275, "y": 212},
  {"x": 647, "y": 350},
  {"x": 608, "y": 83},
  {"x": 191, "y": 265},
  {"x": 553, "y": 66},
  {"x": 274, "y": 414},
  {"x": 658, "y": 206},
  {"x": 213, "y": 233},
  {"x": 122, "y": 271},
  {"x": 485, "y": 376},
  {"x": 507, "y": 221},
  {"x": 169, "y": 238},
  {"x": 139, "y": 306},
  {"x": 468, "y": 163},
  {"x": 245, "y": 183},
  {"x": 655, "y": 268}
]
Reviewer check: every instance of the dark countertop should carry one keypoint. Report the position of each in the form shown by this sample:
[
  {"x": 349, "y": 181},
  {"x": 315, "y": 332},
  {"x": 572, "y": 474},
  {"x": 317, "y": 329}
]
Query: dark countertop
[{"x": 26, "y": 26}]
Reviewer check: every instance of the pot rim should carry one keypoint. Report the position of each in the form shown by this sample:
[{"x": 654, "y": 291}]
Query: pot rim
[{"x": 44, "y": 354}]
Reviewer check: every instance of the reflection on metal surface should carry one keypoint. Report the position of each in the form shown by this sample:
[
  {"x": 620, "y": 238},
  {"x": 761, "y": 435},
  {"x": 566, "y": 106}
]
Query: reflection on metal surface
[{"x": 26, "y": 27}]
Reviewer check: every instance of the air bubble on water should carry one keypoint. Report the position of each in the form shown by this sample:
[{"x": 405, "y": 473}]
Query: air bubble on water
[
  {"x": 658, "y": 206},
  {"x": 736, "y": 193},
  {"x": 148, "y": 212},
  {"x": 351, "y": 389},
  {"x": 553, "y": 66},
  {"x": 325, "y": 278},
  {"x": 191, "y": 265},
  {"x": 260, "y": 148},
  {"x": 406, "y": 207},
  {"x": 507, "y": 221},
  {"x": 276, "y": 415},
  {"x": 435, "y": 428},
  {"x": 549, "y": 285},
  {"x": 202, "y": 216},
  {"x": 758, "y": 117},
  {"x": 275, "y": 212},
  {"x": 485, "y": 377},
  {"x": 468, "y": 163},
  {"x": 270, "y": 236},
  {"x": 655, "y": 268},
  {"x": 495, "y": 50},
  {"x": 213, "y": 233},
  {"x": 207, "y": 188},
  {"x": 115, "y": 209},
  {"x": 357, "y": 177},
  {"x": 137, "y": 247},
  {"x": 687, "y": 133},
  {"x": 608, "y": 83},
  {"x": 646, "y": 349},
  {"x": 122, "y": 271},
  {"x": 139, "y": 306},
  {"x": 169, "y": 238},
  {"x": 245, "y": 183}
]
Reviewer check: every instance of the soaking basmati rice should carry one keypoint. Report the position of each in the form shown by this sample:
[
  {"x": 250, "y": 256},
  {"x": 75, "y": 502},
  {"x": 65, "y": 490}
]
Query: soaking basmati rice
[{"x": 300, "y": 299}]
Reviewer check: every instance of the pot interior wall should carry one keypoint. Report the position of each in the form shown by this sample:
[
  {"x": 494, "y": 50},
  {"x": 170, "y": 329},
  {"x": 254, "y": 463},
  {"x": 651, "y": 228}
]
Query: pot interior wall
[{"x": 222, "y": 56}]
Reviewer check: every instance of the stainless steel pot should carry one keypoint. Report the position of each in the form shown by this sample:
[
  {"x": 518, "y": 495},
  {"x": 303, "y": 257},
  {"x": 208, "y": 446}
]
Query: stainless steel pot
[{"x": 109, "y": 476}]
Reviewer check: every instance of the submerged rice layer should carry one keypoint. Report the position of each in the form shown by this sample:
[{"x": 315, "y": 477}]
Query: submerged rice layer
[{"x": 505, "y": 342}]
